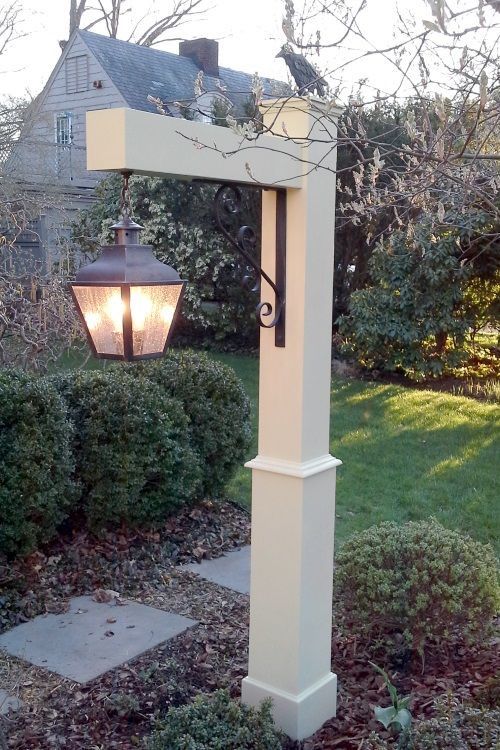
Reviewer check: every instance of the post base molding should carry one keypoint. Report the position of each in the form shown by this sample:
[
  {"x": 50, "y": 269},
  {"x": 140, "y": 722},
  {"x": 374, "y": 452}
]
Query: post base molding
[
  {"x": 300, "y": 715},
  {"x": 294, "y": 468}
]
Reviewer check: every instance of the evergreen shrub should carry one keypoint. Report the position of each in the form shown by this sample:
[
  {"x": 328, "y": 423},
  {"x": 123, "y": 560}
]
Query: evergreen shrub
[
  {"x": 36, "y": 491},
  {"x": 217, "y": 407},
  {"x": 134, "y": 462},
  {"x": 417, "y": 584},
  {"x": 213, "y": 722}
]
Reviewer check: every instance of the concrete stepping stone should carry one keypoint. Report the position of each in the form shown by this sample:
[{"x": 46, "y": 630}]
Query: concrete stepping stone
[
  {"x": 8, "y": 703},
  {"x": 92, "y": 638},
  {"x": 231, "y": 570}
]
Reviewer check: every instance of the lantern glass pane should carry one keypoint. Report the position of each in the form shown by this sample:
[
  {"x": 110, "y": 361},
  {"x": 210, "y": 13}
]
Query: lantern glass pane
[
  {"x": 152, "y": 310},
  {"x": 102, "y": 309}
]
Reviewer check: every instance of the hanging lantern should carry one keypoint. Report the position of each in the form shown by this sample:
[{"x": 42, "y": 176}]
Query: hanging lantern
[{"x": 127, "y": 299}]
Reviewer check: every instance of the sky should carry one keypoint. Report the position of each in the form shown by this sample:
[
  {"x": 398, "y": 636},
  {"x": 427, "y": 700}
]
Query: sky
[
  {"x": 249, "y": 34},
  {"x": 248, "y": 31}
]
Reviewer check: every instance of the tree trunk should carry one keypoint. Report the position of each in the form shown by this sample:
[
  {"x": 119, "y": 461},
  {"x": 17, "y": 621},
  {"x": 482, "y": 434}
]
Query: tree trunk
[
  {"x": 441, "y": 339},
  {"x": 76, "y": 10}
]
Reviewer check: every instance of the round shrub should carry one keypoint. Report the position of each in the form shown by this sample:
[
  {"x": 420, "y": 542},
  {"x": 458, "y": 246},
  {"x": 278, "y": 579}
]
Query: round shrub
[
  {"x": 134, "y": 463},
  {"x": 216, "y": 405},
  {"x": 215, "y": 721},
  {"x": 35, "y": 462},
  {"x": 417, "y": 584}
]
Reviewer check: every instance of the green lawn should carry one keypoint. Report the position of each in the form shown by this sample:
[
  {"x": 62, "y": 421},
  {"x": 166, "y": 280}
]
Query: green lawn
[{"x": 407, "y": 454}]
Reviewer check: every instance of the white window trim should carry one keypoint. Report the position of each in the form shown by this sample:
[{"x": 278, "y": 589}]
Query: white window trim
[{"x": 65, "y": 117}]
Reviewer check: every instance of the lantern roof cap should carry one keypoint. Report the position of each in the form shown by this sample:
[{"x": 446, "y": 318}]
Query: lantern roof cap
[{"x": 127, "y": 223}]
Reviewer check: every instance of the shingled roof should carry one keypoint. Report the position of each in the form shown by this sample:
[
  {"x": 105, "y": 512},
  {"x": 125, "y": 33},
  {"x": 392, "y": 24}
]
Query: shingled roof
[{"x": 139, "y": 72}]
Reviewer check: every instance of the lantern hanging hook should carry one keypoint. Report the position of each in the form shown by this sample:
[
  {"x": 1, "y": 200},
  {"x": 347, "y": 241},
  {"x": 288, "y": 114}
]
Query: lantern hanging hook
[
  {"x": 125, "y": 198},
  {"x": 228, "y": 206}
]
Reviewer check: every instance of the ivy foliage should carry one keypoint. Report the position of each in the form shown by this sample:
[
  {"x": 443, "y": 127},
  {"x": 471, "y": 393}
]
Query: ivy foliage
[
  {"x": 36, "y": 463},
  {"x": 218, "y": 310}
]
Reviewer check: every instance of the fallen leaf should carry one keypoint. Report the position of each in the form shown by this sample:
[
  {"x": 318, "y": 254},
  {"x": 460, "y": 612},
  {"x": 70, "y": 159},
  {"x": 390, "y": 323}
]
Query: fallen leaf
[{"x": 103, "y": 596}]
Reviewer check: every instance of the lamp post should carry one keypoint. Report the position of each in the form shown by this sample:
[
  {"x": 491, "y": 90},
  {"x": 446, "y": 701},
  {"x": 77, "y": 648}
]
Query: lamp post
[
  {"x": 128, "y": 300},
  {"x": 293, "y": 475}
]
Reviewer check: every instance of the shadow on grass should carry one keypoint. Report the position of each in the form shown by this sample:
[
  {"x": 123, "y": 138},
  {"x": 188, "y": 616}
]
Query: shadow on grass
[{"x": 411, "y": 454}]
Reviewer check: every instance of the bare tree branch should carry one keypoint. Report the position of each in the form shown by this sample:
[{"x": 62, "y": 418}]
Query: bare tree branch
[
  {"x": 10, "y": 20},
  {"x": 111, "y": 12}
]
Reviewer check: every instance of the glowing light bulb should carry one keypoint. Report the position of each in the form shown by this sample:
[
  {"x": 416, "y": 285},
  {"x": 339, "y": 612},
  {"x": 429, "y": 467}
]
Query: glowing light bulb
[
  {"x": 140, "y": 307},
  {"x": 115, "y": 310},
  {"x": 93, "y": 320}
]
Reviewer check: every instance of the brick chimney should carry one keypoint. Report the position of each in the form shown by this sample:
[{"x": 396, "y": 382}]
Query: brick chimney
[{"x": 203, "y": 52}]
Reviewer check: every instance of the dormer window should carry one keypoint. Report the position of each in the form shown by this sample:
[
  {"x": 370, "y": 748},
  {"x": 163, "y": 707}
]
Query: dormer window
[
  {"x": 77, "y": 74},
  {"x": 64, "y": 134}
]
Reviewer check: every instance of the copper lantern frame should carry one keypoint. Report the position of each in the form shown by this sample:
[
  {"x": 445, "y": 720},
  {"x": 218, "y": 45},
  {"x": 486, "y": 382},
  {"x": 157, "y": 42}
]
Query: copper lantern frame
[{"x": 127, "y": 265}]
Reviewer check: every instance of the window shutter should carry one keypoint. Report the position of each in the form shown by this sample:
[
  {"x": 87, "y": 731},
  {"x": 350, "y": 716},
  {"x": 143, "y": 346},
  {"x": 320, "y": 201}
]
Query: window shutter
[{"x": 77, "y": 74}]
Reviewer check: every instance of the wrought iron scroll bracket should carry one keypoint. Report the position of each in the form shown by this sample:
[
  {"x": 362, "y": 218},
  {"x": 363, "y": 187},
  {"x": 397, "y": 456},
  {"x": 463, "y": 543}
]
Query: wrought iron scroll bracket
[{"x": 228, "y": 206}]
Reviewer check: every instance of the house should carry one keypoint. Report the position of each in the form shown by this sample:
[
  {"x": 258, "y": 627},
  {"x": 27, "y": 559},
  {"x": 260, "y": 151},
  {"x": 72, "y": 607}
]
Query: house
[{"x": 97, "y": 72}]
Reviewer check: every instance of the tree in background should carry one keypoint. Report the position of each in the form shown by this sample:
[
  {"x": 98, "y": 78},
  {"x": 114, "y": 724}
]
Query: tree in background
[
  {"x": 422, "y": 298},
  {"x": 418, "y": 177},
  {"x": 147, "y": 30},
  {"x": 418, "y": 158},
  {"x": 381, "y": 127},
  {"x": 37, "y": 320}
]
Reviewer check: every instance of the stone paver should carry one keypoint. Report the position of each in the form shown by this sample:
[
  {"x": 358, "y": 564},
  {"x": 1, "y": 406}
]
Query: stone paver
[
  {"x": 231, "y": 570},
  {"x": 8, "y": 703},
  {"x": 91, "y": 638}
]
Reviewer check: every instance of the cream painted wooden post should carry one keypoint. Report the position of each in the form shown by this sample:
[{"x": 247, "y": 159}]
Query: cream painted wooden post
[{"x": 293, "y": 476}]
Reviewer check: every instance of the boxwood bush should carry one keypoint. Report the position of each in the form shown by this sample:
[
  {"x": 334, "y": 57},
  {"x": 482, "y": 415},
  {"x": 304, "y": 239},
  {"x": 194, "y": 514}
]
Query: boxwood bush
[
  {"x": 134, "y": 463},
  {"x": 417, "y": 584},
  {"x": 213, "y": 722},
  {"x": 217, "y": 407},
  {"x": 36, "y": 464}
]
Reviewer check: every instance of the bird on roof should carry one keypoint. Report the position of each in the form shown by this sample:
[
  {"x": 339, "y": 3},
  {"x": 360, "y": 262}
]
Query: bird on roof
[{"x": 304, "y": 74}]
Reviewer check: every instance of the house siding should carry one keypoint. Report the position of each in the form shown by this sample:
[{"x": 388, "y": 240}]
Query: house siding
[{"x": 37, "y": 157}]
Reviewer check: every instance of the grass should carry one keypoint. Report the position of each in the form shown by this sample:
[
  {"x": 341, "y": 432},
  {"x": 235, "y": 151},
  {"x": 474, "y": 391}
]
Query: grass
[{"x": 407, "y": 454}]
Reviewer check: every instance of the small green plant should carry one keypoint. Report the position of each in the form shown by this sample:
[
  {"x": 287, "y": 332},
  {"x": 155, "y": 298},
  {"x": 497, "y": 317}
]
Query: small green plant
[
  {"x": 462, "y": 728},
  {"x": 397, "y": 714},
  {"x": 215, "y": 722},
  {"x": 123, "y": 705},
  {"x": 36, "y": 491},
  {"x": 416, "y": 585}
]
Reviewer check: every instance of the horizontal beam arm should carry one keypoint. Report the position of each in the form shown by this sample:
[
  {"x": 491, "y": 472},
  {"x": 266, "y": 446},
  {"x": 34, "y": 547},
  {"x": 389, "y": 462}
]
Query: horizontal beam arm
[{"x": 146, "y": 143}]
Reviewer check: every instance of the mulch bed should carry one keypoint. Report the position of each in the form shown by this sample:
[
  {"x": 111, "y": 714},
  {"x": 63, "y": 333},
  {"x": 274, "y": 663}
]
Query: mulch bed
[{"x": 117, "y": 710}]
